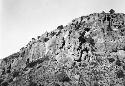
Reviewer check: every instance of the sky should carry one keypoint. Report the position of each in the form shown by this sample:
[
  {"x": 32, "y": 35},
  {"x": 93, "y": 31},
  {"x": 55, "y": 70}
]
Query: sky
[{"x": 22, "y": 20}]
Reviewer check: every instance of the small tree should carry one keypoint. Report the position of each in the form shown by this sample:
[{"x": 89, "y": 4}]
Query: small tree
[{"x": 112, "y": 11}]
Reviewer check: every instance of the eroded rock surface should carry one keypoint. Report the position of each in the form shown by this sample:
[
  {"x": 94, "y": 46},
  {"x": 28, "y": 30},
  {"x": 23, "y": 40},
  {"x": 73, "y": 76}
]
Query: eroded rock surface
[{"x": 89, "y": 51}]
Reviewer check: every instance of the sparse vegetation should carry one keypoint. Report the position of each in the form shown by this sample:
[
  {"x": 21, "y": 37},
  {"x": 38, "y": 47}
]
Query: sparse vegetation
[{"x": 82, "y": 53}]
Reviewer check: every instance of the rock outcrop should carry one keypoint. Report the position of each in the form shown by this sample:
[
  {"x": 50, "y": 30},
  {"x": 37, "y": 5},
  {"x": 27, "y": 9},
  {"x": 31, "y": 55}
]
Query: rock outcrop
[{"x": 89, "y": 51}]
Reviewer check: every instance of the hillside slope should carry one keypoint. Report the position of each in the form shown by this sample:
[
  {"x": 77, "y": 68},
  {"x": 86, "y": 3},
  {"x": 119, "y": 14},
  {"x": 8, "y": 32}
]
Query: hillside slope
[{"x": 89, "y": 51}]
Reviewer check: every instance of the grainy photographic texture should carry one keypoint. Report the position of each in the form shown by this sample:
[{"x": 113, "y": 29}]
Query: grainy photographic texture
[{"x": 89, "y": 51}]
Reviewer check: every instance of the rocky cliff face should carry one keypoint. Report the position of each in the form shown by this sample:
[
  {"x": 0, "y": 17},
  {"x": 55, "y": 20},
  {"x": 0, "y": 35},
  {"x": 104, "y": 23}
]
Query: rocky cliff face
[{"x": 89, "y": 51}]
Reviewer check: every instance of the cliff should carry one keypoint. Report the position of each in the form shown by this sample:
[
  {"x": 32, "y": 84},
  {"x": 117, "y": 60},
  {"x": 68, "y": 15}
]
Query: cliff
[{"x": 89, "y": 51}]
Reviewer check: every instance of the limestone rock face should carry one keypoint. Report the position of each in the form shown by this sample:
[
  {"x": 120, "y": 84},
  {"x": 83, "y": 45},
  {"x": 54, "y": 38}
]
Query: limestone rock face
[{"x": 89, "y": 51}]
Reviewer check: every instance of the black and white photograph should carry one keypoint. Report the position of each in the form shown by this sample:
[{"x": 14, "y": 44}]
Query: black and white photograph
[{"x": 62, "y": 43}]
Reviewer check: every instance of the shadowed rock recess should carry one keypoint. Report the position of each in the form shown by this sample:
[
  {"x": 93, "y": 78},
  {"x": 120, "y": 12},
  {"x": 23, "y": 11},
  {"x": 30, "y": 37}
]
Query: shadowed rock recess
[{"x": 89, "y": 51}]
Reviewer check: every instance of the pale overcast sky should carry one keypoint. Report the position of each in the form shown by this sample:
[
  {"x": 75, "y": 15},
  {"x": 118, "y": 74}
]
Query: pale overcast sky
[{"x": 25, "y": 19}]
